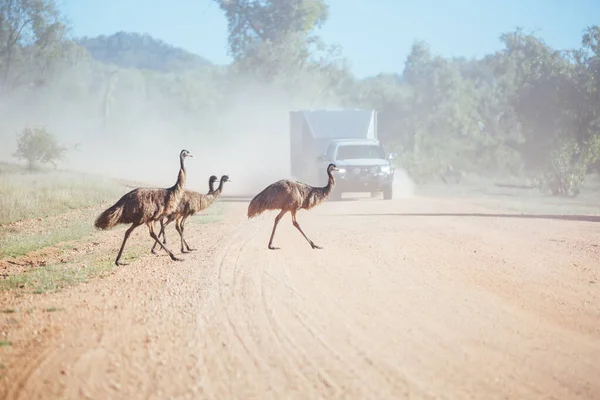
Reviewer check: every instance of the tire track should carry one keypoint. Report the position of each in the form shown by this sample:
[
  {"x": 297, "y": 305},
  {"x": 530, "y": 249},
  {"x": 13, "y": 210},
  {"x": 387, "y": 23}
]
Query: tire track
[
  {"x": 14, "y": 390},
  {"x": 276, "y": 331},
  {"x": 249, "y": 295},
  {"x": 55, "y": 356},
  {"x": 297, "y": 353},
  {"x": 221, "y": 325}
]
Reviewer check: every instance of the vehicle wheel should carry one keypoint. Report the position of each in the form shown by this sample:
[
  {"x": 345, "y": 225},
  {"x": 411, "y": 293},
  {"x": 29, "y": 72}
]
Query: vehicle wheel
[{"x": 387, "y": 193}]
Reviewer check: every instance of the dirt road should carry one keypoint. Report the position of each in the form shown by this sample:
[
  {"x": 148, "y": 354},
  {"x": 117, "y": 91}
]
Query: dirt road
[{"x": 395, "y": 306}]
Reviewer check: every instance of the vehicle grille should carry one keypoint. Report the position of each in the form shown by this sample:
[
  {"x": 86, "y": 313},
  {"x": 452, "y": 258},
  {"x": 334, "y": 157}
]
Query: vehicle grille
[{"x": 361, "y": 170}]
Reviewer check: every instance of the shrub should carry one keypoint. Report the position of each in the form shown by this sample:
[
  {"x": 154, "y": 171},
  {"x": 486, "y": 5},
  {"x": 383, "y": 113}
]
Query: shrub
[
  {"x": 38, "y": 146},
  {"x": 568, "y": 166}
]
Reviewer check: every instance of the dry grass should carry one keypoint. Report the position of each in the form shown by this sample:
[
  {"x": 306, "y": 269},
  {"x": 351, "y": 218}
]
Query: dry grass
[
  {"x": 48, "y": 219},
  {"x": 52, "y": 278},
  {"x": 25, "y": 194},
  {"x": 14, "y": 243}
]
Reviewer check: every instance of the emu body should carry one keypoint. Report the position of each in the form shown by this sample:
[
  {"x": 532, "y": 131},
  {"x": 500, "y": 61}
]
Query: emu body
[
  {"x": 286, "y": 195},
  {"x": 144, "y": 206},
  {"x": 191, "y": 203}
]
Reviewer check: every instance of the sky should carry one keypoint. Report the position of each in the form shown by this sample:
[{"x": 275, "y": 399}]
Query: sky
[{"x": 375, "y": 35}]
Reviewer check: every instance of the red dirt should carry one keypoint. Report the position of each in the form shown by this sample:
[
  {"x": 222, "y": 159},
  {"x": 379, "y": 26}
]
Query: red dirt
[{"x": 394, "y": 306}]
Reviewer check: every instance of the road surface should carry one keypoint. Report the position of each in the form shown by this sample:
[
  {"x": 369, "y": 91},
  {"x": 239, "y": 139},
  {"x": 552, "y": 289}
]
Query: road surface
[{"x": 395, "y": 306}]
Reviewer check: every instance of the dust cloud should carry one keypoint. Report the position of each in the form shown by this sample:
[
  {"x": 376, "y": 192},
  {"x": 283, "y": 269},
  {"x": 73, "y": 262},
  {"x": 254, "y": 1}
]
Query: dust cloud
[
  {"x": 403, "y": 186},
  {"x": 245, "y": 136}
]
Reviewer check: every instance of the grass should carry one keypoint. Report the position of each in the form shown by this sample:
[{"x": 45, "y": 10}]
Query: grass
[
  {"x": 210, "y": 215},
  {"x": 5, "y": 343},
  {"x": 28, "y": 194},
  {"x": 37, "y": 194},
  {"x": 18, "y": 244},
  {"x": 53, "y": 278},
  {"x": 60, "y": 200}
]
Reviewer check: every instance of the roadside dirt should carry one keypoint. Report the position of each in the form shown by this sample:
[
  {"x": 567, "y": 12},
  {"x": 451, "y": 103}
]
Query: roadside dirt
[{"x": 394, "y": 306}]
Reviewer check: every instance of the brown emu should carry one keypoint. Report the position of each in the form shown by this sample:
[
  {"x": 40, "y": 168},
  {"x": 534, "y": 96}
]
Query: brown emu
[
  {"x": 185, "y": 205},
  {"x": 286, "y": 195},
  {"x": 145, "y": 206},
  {"x": 191, "y": 203}
]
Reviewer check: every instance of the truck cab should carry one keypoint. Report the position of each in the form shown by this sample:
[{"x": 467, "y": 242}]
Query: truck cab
[{"x": 363, "y": 166}]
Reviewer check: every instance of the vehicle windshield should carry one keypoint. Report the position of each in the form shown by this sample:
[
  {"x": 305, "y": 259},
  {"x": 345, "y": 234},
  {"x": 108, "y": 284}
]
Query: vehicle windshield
[{"x": 352, "y": 152}]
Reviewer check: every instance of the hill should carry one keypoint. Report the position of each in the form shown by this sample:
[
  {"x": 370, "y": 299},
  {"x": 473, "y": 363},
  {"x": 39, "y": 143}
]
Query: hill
[{"x": 135, "y": 50}]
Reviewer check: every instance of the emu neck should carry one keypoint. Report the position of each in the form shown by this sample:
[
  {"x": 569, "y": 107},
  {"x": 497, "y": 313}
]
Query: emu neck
[
  {"x": 319, "y": 194},
  {"x": 330, "y": 183},
  {"x": 211, "y": 187},
  {"x": 180, "y": 178},
  {"x": 214, "y": 194},
  {"x": 219, "y": 189}
]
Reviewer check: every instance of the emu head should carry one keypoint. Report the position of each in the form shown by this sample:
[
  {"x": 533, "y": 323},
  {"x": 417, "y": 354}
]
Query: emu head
[
  {"x": 332, "y": 167},
  {"x": 184, "y": 153},
  {"x": 225, "y": 178},
  {"x": 212, "y": 179}
]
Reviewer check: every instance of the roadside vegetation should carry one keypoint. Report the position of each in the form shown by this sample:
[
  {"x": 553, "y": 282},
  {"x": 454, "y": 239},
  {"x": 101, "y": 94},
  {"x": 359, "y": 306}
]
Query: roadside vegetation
[
  {"x": 38, "y": 194},
  {"x": 53, "y": 257}
]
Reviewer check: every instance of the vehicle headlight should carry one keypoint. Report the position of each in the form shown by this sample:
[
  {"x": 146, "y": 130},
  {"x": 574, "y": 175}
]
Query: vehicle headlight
[{"x": 386, "y": 169}]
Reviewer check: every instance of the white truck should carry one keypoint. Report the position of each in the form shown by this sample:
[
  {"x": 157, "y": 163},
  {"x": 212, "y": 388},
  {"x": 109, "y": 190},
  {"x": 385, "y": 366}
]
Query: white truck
[{"x": 347, "y": 138}]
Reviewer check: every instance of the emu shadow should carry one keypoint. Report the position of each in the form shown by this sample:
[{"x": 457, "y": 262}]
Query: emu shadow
[{"x": 581, "y": 218}]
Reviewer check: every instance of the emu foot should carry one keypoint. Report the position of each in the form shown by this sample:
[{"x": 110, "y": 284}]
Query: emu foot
[
  {"x": 120, "y": 263},
  {"x": 271, "y": 247},
  {"x": 176, "y": 259},
  {"x": 314, "y": 246}
]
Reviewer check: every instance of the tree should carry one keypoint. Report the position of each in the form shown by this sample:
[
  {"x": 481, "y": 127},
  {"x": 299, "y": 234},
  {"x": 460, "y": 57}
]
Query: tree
[
  {"x": 254, "y": 22},
  {"x": 31, "y": 32},
  {"x": 437, "y": 123},
  {"x": 554, "y": 96},
  {"x": 273, "y": 41},
  {"x": 38, "y": 146}
]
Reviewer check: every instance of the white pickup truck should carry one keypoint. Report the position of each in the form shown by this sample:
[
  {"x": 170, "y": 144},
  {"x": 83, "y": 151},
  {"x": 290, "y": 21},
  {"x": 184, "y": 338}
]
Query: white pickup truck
[{"x": 363, "y": 167}]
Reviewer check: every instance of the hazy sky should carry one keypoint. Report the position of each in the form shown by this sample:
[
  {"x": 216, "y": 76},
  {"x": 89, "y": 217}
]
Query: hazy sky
[{"x": 376, "y": 35}]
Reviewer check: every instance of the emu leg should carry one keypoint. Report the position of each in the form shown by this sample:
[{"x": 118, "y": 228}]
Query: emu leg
[
  {"x": 150, "y": 225},
  {"x": 297, "y": 225},
  {"x": 277, "y": 219},
  {"x": 182, "y": 226},
  {"x": 163, "y": 224},
  {"x": 162, "y": 231},
  {"x": 180, "y": 231},
  {"x": 127, "y": 233}
]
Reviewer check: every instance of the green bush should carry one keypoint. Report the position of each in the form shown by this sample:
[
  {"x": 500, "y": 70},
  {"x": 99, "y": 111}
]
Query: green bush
[
  {"x": 38, "y": 146},
  {"x": 568, "y": 166},
  {"x": 423, "y": 168}
]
